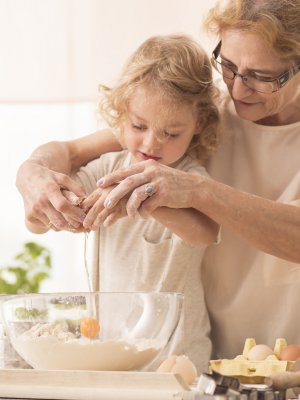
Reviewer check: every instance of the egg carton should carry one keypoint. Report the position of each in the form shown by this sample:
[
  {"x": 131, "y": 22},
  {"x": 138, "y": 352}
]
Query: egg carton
[{"x": 253, "y": 372}]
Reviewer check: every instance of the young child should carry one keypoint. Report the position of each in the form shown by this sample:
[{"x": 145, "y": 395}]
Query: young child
[{"x": 162, "y": 108}]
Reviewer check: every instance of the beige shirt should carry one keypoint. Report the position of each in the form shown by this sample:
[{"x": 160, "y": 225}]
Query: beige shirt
[
  {"x": 143, "y": 255},
  {"x": 250, "y": 293}
]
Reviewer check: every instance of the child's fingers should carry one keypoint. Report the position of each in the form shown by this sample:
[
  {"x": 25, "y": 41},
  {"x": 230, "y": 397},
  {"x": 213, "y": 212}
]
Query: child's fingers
[
  {"x": 112, "y": 218},
  {"x": 91, "y": 199},
  {"x": 103, "y": 215}
]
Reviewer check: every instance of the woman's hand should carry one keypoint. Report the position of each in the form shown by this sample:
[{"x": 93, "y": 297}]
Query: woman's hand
[
  {"x": 167, "y": 195},
  {"x": 170, "y": 187},
  {"x": 40, "y": 184},
  {"x": 45, "y": 205}
]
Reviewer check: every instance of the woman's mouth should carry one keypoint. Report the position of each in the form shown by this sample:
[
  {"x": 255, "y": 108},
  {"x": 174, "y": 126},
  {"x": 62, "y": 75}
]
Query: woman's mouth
[{"x": 244, "y": 103}]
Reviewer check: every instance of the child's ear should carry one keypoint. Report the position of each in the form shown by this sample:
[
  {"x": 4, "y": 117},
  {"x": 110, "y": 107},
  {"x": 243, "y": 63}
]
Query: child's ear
[{"x": 199, "y": 128}]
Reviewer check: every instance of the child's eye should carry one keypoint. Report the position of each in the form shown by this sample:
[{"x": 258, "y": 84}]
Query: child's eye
[
  {"x": 170, "y": 135},
  {"x": 138, "y": 127}
]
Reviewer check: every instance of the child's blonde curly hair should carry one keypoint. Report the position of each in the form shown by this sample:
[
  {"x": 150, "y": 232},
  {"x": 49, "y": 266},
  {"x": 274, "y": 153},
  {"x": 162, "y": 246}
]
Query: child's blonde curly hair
[{"x": 178, "y": 67}]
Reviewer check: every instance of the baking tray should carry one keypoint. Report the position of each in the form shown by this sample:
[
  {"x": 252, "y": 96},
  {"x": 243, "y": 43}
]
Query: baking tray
[{"x": 92, "y": 385}]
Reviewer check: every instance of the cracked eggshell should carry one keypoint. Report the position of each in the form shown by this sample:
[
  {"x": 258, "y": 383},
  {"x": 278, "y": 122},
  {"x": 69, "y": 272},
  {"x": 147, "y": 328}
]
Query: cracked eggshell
[
  {"x": 181, "y": 365},
  {"x": 167, "y": 364}
]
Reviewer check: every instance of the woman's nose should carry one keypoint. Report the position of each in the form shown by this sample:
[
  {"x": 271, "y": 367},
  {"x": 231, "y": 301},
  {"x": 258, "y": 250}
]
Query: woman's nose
[{"x": 239, "y": 90}]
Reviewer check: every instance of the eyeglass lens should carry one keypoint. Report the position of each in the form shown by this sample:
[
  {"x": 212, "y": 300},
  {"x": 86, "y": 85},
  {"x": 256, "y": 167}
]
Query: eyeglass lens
[{"x": 249, "y": 81}]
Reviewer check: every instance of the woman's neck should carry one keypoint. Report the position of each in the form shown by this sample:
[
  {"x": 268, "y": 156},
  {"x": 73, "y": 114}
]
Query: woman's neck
[{"x": 291, "y": 116}]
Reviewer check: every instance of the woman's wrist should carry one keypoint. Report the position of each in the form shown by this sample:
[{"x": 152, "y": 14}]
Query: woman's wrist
[{"x": 199, "y": 192}]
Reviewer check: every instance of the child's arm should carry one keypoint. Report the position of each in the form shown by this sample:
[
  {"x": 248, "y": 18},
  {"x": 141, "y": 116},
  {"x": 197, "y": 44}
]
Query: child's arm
[{"x": 191, "y": 225}]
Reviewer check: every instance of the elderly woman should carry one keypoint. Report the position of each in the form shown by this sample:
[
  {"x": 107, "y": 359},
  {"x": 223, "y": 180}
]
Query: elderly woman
[{"x": 252, "y": 277}]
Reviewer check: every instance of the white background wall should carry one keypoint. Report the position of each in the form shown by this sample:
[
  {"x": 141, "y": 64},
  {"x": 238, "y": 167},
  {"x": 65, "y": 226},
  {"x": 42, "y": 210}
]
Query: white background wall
[{"x": 54, "y": 53}]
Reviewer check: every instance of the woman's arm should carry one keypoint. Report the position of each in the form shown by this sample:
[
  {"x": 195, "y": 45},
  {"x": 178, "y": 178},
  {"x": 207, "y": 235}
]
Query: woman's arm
[
  {"x": 41, "y": 178},
  {"x": 267, "y": 225}
]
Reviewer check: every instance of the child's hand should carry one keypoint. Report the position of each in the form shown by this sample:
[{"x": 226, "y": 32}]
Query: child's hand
[
  {"x": 97, "y": 214},
  {"x": 73, "y": 226}
]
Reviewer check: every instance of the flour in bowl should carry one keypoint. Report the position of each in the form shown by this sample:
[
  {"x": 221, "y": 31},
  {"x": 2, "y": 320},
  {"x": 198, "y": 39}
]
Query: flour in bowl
[{"x": 52, "y": 346}]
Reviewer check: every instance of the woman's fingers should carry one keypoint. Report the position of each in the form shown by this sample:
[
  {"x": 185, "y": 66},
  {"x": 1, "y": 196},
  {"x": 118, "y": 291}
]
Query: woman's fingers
[
  {"x": 152, "y": 185},
  {"x": 61, "y": 213},
  {"x": 158, "y": 185},
  {"x": 43, "y": 200},
  {"x": 123, "y": 173},
  {"x": 42, "y": 213},
  {"x": 61, "y": 206},
  {"x": 124, "y": 188},
  {"x": 139, "y": 197},
  {"x": 51, "y": 200},
  {"x": 50, "y": 204},
  {"x": 134, "y": 180},
  {"x": 69, "y": 184}
]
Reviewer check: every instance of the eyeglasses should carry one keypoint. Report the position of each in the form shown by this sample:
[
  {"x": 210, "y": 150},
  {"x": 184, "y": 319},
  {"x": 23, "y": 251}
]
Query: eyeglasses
[{"x": 255, "y": 83}]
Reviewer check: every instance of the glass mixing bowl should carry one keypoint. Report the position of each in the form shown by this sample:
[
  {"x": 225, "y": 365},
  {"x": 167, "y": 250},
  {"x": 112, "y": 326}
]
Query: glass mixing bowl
[{"x": 91, "y": 331}]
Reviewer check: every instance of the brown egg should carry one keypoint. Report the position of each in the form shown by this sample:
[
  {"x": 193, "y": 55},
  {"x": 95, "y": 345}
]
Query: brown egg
[
  {"x": 259, "y": 352},
  {"x": 290, "y": 353},
  {"x": 181, "y": 365}
]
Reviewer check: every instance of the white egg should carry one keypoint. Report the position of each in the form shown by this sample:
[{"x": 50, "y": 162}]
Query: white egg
[{"x": 259, "y": 352}]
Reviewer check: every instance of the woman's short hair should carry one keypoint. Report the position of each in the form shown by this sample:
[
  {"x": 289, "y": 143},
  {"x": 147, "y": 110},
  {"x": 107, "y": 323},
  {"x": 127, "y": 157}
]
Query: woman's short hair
[{"x": 276, "y": 21}]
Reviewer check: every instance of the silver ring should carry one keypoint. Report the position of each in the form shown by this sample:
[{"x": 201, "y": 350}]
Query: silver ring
[{"x": 149, "y": 190}]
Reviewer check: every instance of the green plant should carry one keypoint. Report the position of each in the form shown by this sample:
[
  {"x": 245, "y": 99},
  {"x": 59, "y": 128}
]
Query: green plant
[{"x": 30, "y": 268}]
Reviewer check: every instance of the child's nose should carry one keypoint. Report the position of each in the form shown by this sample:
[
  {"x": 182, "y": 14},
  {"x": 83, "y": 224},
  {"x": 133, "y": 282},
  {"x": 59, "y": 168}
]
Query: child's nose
[{"x": 151, "y": 141}]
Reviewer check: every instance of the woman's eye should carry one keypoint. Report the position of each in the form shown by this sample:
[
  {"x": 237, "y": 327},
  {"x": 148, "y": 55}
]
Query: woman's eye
[
  {"x": 263, "y": 78},
  {"x": 227, "y": 65}
]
